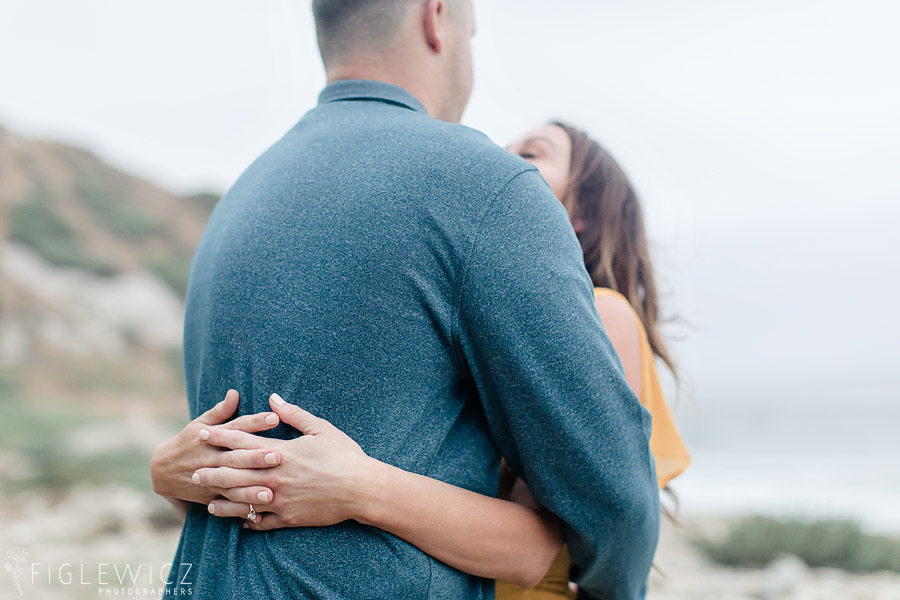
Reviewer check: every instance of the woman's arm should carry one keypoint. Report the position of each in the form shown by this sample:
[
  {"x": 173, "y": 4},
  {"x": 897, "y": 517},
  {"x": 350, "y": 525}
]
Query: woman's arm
[
  {"x": 325, "y": 478},
  {"x": 620, "y": 323},
  {"x": 474, "y": 533}
]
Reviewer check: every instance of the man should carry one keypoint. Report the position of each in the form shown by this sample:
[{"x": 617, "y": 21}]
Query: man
[{"x": 404, "y": 278}]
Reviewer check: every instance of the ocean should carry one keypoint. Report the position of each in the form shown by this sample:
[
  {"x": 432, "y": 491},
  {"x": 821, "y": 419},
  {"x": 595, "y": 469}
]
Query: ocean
[{"x": 794, "y": 451}]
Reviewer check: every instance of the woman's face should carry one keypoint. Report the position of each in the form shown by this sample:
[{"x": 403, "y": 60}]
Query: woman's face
[{"x": 550, "y": 150}]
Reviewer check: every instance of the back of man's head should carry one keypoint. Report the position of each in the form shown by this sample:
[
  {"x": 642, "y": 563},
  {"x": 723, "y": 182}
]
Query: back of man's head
[
  {"x": 422, "y": 45},
  {"x": 348, "y": 26}
]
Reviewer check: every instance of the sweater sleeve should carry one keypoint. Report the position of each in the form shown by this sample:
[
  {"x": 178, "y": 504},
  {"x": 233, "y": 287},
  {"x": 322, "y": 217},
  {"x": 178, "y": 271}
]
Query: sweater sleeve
[{"x": 553, "y": 391}]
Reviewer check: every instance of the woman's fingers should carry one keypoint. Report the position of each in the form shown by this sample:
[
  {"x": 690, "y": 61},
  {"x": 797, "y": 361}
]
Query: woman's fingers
[
  {"x": 266, "y": 522},
  {"x": 257, "y": 495},
  {"x": 263, "y": 521},
  {"x": 227, "y": 508},
  {"x": 236, "y": 440},
  {"x": 253, "y": 423},
  {"x": 247, "y": 459},
  {"x": 221, "y": 411},
  {"x": 301, "y": 420},
  {"x": 226, "y": 477}
]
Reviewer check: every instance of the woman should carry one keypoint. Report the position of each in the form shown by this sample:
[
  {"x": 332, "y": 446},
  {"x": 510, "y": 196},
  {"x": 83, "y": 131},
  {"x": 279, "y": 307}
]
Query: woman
[{"x": 511, "y": 538}]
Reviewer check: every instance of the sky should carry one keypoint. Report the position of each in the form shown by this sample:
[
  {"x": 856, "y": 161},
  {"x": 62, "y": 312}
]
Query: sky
[{"x": 762, "y": 137}]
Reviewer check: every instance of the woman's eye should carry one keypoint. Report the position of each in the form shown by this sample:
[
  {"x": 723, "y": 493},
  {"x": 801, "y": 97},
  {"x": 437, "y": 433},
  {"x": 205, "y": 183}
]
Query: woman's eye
[{"x": 527, "y": 155}]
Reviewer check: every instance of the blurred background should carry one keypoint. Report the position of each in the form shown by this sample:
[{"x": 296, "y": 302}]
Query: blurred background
[{"x": 762, "y": 137}]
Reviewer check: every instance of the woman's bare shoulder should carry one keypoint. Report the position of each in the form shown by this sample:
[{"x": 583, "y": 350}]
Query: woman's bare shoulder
[
  {"x": 622, "y": 327},
  {"x": 616, "y": 313}
]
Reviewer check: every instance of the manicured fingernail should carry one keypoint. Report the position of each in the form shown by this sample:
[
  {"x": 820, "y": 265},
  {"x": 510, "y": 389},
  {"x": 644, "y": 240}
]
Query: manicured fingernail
[
  {"x": 196, "y": 479},
  {"x": 278, "y": 400},
  {"x": 204, "y": 434},
  {"x": 211, "y": 508},
  {"x": 263, "y": 496},
  {"x": 271, "y": 458},
  {"x": 245, "y": 526},
  {"x": 272, "y": 419}
]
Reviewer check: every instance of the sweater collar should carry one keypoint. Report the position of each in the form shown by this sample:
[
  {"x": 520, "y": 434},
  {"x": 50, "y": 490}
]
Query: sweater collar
[{"x": 370, "y": 89}]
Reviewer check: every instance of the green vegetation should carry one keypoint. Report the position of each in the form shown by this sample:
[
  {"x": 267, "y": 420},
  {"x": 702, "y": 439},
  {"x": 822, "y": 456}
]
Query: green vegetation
[
  {"x": 9, "y": 386},
  {"x": 205, "y": 201},
  {"x": 39, "y": 435},
  {"x": 175, "y": 358},
  {"x": 55, "y": 469},
  {"x": 173, "y": 269},
  {"x": 756, "y": 541},
  {"x": 121, "y": 219},
  {"x": 96, "y": 375},
  {"x": 33, "y": 223}
]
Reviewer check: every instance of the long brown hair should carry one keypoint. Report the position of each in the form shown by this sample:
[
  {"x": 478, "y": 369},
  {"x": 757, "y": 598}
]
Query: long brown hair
[{"x": 605, "y": 210}]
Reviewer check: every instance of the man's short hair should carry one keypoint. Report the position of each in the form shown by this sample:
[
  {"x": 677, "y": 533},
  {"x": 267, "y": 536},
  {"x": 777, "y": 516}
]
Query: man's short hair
[{"x": 344, "y": 25}]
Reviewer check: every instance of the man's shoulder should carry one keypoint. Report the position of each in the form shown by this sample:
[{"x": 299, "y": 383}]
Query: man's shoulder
[
  {"x": 456, "y": 150},
  {"x": 423, "y": 153},
  {"x": 463, "y": 137}
]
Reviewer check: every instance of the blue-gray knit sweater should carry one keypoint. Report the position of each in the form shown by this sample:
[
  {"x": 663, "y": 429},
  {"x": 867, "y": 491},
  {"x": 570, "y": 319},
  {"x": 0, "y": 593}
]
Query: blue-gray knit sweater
[{"x": 422, "y": 289}]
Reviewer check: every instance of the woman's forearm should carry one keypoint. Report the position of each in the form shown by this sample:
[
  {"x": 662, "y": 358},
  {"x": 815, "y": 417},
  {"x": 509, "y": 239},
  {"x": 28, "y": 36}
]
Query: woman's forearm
[
  {"x": 477, "y": 534},
  {"x": 325, "y": 477}
]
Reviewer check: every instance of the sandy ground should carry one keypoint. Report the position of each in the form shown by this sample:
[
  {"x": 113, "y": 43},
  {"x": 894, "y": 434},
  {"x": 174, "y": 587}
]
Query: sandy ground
[{"x": 81, "y": 545}]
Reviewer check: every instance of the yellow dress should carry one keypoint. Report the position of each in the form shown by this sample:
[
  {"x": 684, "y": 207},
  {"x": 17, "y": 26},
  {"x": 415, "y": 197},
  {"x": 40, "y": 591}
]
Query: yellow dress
[{"x": 668, "y": 450}]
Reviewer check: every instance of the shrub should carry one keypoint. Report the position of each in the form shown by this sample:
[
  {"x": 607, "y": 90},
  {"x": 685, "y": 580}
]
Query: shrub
[
  {"x": 756, "y": 541},
  {"x": 10, "y": 387},
  {"x": 173, "y": 269},
  {"x": 40, "y": 435},
  {"x": 33, "y": 223},
  {"x": 121, "y": 219},
  {"x": 204, "y": 201},
  {"x": 175, "y": 360}
]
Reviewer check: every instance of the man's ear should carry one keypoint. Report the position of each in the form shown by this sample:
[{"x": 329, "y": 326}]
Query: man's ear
[{"x": 435, "y": 13}]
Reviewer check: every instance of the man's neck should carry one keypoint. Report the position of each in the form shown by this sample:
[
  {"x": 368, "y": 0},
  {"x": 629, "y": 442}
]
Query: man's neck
[{"x": 388, "y": 74}]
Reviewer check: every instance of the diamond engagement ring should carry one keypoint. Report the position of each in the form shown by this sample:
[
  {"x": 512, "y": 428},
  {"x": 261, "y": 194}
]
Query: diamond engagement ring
[{"x": 251, "y": 516}]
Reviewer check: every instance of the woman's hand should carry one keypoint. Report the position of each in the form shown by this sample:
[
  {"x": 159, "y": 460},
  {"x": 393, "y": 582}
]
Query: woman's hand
[
  {"x": 175, "y": 461},
  {"x": 325, "y": 478},
  {"x": 319, "y": 482}
]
